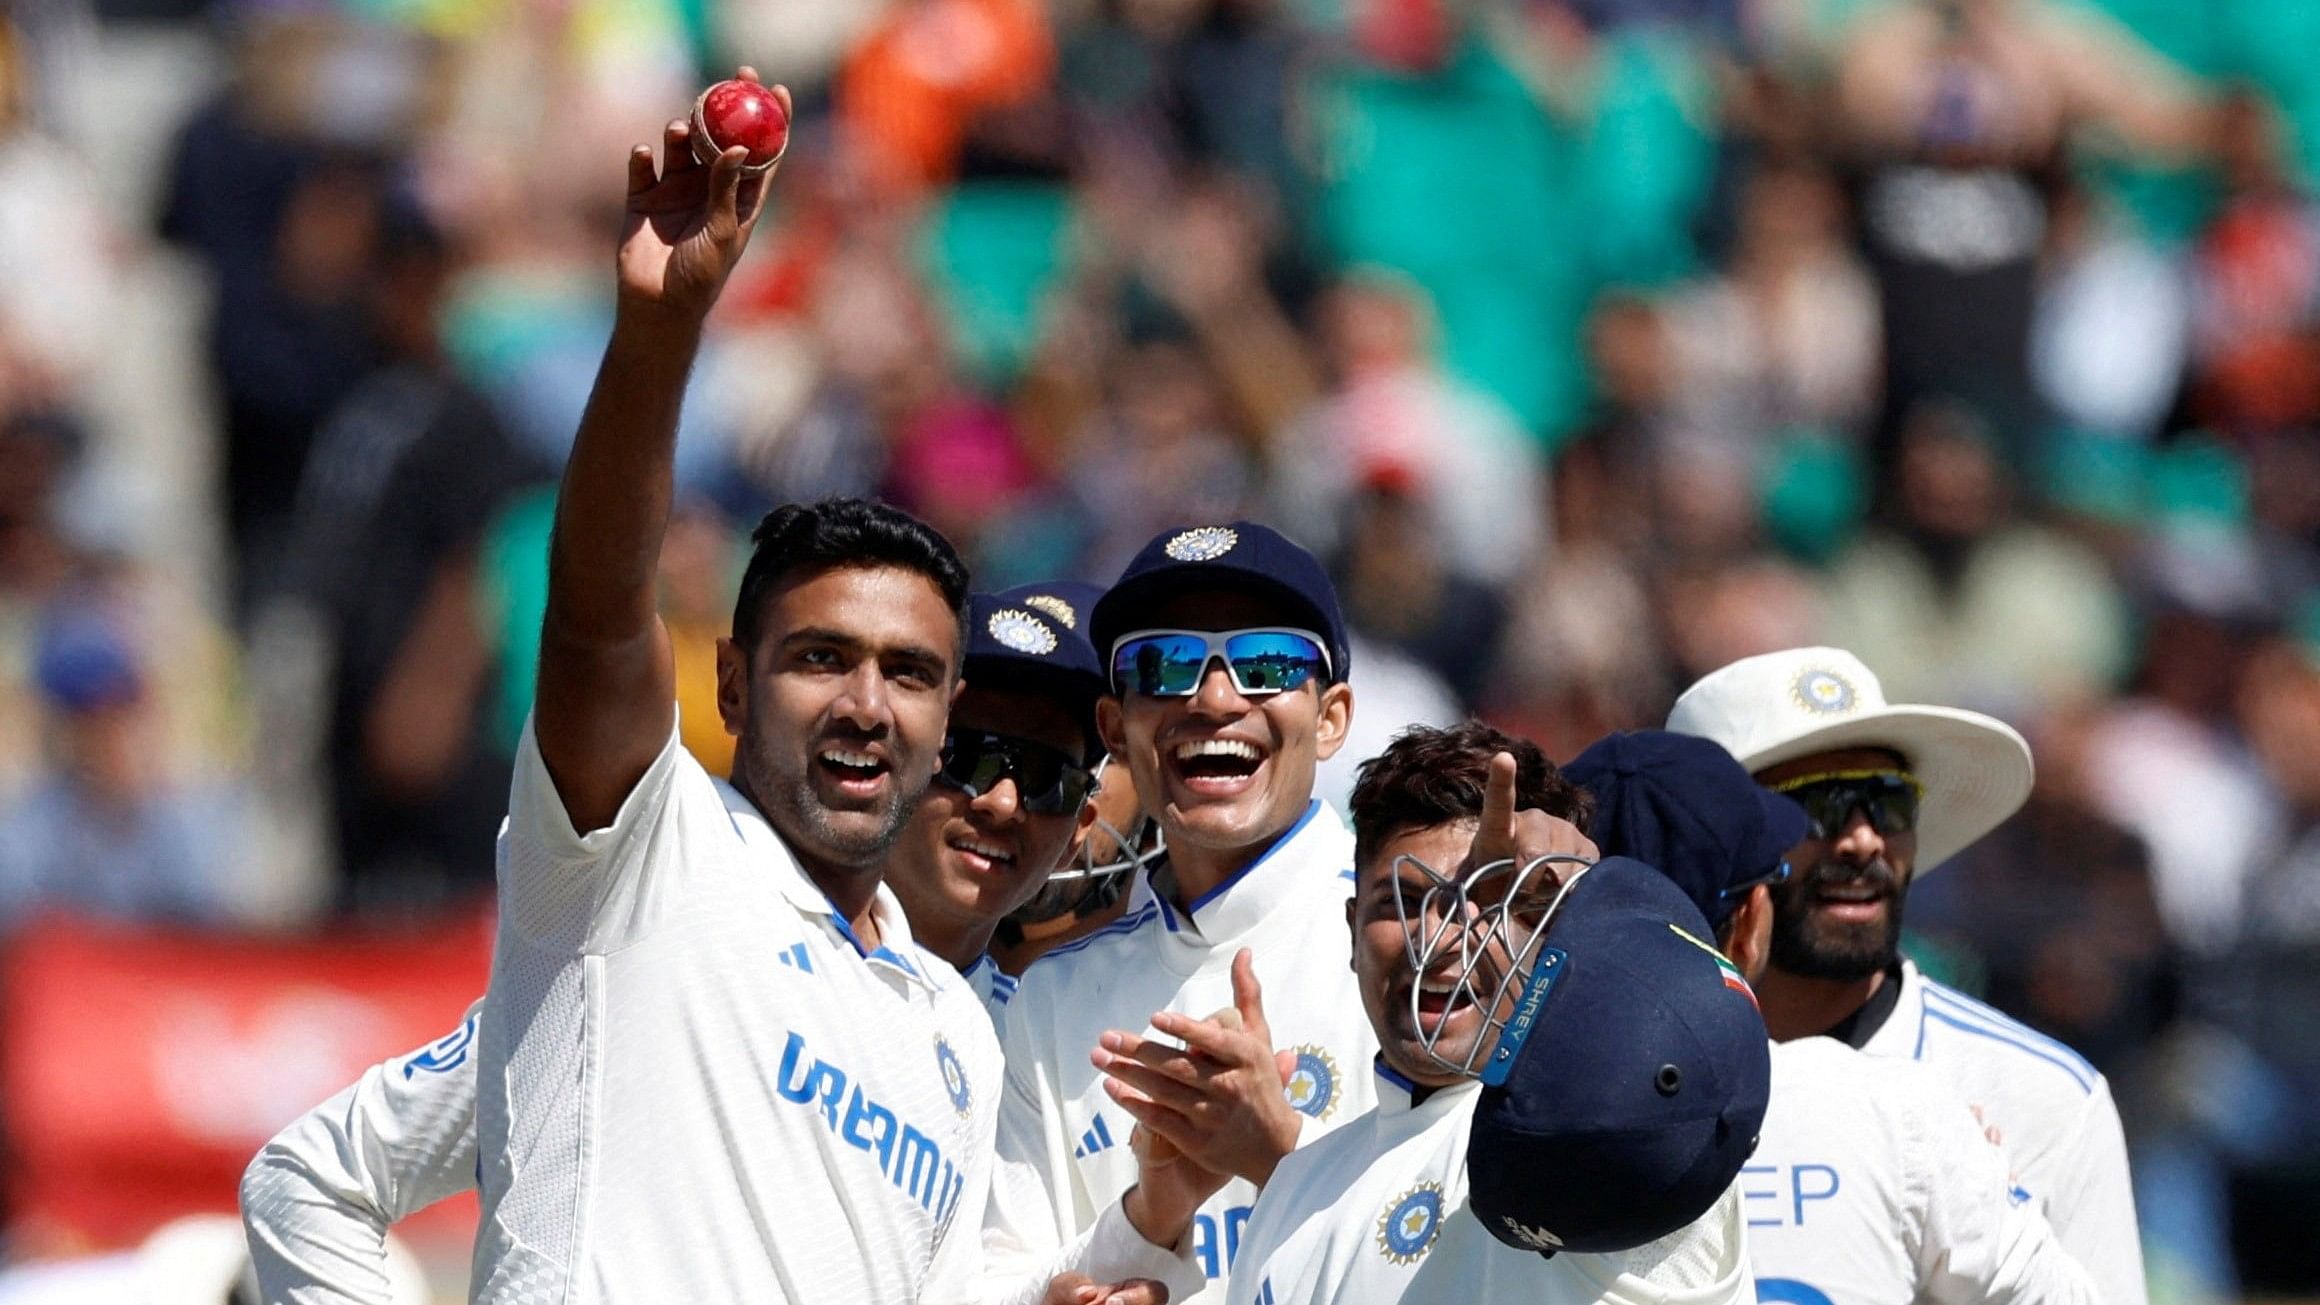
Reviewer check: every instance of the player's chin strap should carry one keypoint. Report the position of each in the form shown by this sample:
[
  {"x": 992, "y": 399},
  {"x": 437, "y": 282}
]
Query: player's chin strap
[
  {"x": 1132, "y": 855},
  {"x": 1481, "y": 935}
]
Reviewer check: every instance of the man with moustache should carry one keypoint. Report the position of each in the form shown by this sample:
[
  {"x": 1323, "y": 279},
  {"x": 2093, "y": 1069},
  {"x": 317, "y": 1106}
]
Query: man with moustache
[
  {"x": 1871, "y": 1183},
  {"x": 638, "y": 1008},
  {"x": 1226, "y": 655},
  {"x": 1894, "y": 790},
  {"x": 1012, "y": 794}
]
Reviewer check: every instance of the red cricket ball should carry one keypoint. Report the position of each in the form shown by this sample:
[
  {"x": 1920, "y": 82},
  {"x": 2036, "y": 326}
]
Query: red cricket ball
[{"x": 740, "y": 113}]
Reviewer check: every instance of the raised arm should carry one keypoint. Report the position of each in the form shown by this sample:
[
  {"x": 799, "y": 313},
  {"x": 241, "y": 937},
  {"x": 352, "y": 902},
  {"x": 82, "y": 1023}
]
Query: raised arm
[{"x": 607, "y": 685}]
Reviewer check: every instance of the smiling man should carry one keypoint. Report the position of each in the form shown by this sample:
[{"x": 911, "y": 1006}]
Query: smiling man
[
  {"x": 1011, "y": 800},
  {"x": 1893, "y": 790},
  {"x": 1870, "y": 1184},
  {"x": 1012, "y": 795},
  {"x": 713, "y": 1063},
  {"x": 1227, "y": 661},
  {"x": 1567, "y": 1083}
]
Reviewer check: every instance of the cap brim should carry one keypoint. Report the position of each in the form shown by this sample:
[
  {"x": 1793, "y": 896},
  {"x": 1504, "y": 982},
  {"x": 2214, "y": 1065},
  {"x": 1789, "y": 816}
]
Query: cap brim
[
  {"x": 1976, "y": 770},
  {"x": 1122, "y": 609}
]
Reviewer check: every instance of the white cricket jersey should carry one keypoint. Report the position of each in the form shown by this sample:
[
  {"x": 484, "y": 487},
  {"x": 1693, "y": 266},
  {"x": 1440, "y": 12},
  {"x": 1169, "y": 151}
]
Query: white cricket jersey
[
  {"x": 696, "y": 1084},
  {"x": 1872, "y": 1184},
  {"x": 318, "y": 1200},
  {"x": 1376, "y": 1213},
  {"x": 319, "y": 1197},
  {"x": 2053, "y": 1114},
  {"x": 1064, "y": 1159}
]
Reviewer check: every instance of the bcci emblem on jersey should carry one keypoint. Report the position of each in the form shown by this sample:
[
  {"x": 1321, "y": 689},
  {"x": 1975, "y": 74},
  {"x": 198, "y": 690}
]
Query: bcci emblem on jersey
[
  {"x": 954, "y": 1075},
  {"x": 1205, "y": 544},
  {"x": 1825, "y": 693},
  {"x": 1409, "y": 1224},
  {"x": 1312, "y": 1085}
]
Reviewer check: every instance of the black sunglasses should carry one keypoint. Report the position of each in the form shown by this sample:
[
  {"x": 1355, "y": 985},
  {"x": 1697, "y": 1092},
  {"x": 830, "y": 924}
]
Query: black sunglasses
[
  {"x": 1888, "y": 798},
  {"x": 1048, "y": 782}
]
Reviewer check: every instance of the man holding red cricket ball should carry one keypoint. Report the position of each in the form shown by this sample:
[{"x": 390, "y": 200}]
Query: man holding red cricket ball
[{"x": 840, "y": 1157}]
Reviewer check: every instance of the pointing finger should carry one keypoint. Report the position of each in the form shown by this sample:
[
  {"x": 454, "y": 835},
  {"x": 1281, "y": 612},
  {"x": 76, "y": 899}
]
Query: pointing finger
[
  {"x": 1494, "y": 839},
  {"x": 1249, "y": 995}
]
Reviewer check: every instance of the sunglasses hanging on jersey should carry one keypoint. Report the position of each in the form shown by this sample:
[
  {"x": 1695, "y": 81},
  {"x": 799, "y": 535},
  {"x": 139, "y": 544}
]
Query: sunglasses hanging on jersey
[
  {"x": 1889, "y": 798},
  {"x": 1048, "y": 782},
  {"x": 1170, "y": 663}
]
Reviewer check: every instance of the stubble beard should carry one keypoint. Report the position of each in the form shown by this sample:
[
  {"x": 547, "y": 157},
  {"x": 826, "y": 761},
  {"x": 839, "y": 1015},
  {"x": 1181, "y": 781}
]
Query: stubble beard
[
  {"x": 811, "y": 828},
  {"x": 1810, "y": 948}
]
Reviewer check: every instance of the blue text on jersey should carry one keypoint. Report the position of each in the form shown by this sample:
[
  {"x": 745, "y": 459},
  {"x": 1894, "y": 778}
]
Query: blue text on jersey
[
  {"x": 446, "y": 1053},
  {"x": 1215, "y": 1258},
  {"x": 908, "y": 1156},
  {"x": 1807, "y": 1182}
]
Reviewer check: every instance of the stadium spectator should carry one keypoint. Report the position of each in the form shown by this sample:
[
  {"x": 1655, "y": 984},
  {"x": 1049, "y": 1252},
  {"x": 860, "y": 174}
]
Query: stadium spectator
[{"x": 108, "y": 832}]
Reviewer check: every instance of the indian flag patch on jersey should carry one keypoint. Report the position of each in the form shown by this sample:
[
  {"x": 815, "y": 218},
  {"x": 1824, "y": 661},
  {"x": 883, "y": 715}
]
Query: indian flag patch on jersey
[{"x": 1724, "y": 966}]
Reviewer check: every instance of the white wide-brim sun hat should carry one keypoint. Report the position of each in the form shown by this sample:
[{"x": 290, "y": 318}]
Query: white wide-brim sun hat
[{"x": 1776, "y": 707}]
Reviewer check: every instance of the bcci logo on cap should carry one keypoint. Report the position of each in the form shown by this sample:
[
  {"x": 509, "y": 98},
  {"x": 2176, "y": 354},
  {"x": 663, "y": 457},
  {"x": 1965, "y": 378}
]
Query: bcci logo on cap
[
  {"x": 1056, "y": 608},
  {"x": 954, "y": 1074},
  {"x": 1824, "y": 693},
  {"x": 1312, "y": 1085},
  {"x": 1022, "y": 632},
  {"x": 1410, "y": 1223},
  {"x": 1205, "y": 544}
]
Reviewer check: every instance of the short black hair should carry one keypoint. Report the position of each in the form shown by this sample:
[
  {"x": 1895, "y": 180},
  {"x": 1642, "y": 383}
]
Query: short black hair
[
  {"x": 1429, "y": 776},
  {"x": 844, "y": 532}
]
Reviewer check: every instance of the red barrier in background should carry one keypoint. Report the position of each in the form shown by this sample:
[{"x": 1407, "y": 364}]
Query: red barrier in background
[{"x": 140, "y": 1069}]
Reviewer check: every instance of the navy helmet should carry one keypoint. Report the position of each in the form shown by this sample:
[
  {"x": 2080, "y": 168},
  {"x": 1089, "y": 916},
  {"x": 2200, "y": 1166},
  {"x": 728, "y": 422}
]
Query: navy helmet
[{"x": 1630, "y": 1084}]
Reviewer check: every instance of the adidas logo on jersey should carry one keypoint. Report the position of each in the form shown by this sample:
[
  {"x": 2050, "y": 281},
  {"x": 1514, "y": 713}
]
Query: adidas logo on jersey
[{"x": 1097, "y": 1138}]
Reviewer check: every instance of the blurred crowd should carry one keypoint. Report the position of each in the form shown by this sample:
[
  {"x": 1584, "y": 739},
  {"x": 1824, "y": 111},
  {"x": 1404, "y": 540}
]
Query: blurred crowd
[{"x": 1596, "y": 343}]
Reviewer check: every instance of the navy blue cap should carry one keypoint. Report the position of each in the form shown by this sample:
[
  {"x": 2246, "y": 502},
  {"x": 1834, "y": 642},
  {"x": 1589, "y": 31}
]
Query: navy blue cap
[
  {"x": 1015, "y": 644},
  {"x": 1242, "y": 555},
  {"x": 1630, "y": 1086},
  {"x": 1683, "y": 804},
  {"x": 84, "y": 661}
]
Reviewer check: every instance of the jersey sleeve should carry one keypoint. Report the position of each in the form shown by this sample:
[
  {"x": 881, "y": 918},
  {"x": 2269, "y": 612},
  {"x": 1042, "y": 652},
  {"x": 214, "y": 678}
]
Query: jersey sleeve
[
  {"x": 1979, "y": 1240},
  {"x": 2093, "y": 1206},
  {"x": 601, "y": 889},
  {"x": 318, "y": 1199}
]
